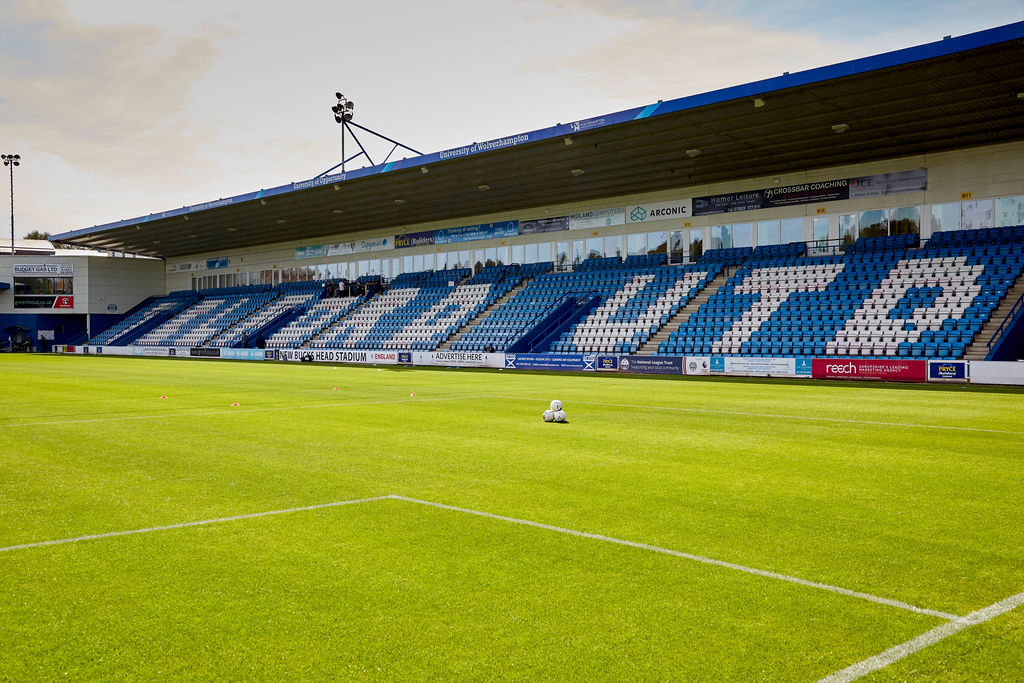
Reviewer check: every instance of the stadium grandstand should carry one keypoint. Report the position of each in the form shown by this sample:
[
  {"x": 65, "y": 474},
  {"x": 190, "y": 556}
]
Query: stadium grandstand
[{"x": 872, "y": 209}]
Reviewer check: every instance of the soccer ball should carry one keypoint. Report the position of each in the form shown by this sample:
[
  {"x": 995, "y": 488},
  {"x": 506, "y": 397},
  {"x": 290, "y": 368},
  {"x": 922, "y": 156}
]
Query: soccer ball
[
  {"x": 556, "y": 405},
  {"x": 549, "y": 416},
  {"x": 560, "y": 416}
]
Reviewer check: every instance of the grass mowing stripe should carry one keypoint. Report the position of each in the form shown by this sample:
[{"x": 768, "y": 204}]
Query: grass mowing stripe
[
  {"x": 894, "y": 654},
  {"x": 689, "y": 556},
  {"x": 184, "y": 525},
  {"x": 812, "y": 418},
  {"x": 232, "y": 412}
]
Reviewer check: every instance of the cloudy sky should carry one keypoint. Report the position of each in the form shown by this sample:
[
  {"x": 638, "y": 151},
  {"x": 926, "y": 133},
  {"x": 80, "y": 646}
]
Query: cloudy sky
[{"x": 120, "y": 108}]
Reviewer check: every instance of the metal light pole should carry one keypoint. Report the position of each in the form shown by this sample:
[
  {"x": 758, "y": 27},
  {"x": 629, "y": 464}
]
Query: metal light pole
[
  {"x": 11, "y": 160},
  {"x": 343, "y": 112}
]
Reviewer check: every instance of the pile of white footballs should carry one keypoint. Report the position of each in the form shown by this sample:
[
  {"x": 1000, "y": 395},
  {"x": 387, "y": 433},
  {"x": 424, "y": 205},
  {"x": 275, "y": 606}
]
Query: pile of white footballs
[{"x": 555, "y": 414}]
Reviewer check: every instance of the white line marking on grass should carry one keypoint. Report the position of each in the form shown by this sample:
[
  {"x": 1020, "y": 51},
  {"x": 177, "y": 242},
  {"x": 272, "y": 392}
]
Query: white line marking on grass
[
  {"x": 894, "y": 654},
  {"x": 811, "y": 418},
  {"x": 183, "y": 525},
  {"x": 688, "y": 556},
  {"x": 237, "y": 410}
]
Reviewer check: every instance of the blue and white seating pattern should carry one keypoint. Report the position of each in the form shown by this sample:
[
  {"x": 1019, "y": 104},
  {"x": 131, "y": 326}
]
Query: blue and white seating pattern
[
  {"x": 628, "y": 318},
  {"x": 318, "y": 317}
]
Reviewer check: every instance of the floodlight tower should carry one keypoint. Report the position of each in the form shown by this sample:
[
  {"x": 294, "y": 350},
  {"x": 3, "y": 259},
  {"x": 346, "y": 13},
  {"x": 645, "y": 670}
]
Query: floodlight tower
[
  {"x": 11, "y": 160},
  {"x": 343, "y": 112}
]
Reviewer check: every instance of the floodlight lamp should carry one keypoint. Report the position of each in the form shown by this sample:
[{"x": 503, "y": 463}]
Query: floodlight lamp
[
  {"x": 335, "y": 109},
  {"x": 337, "y": 119},
  {"x": 350, "y": 105},
  {"x": 338, "y": 95}
]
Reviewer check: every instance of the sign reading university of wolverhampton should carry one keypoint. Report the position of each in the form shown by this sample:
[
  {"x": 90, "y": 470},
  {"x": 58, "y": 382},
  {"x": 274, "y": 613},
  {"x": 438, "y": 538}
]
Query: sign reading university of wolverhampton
[{"x": 659, "y": 211}]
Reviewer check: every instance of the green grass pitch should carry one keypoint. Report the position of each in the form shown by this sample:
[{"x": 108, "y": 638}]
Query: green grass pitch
[{"x": 908, "y": 498}]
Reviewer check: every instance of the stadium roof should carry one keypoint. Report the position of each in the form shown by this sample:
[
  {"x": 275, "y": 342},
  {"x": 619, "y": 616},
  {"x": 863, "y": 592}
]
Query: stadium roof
[{"x": 957, "y": 92}]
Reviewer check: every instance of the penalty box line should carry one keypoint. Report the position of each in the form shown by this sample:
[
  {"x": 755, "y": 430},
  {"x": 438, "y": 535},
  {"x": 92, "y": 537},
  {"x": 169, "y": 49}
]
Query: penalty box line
[
  {"x": 185, "y": 525},
  {"x": 689, "y": 556},
  {"x": 523, "y": 522},
  {"x": 927, "y": 639}
]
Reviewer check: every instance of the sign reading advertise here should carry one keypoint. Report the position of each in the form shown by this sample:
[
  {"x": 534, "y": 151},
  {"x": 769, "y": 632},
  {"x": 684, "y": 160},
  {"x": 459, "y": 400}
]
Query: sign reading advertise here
[{"x": 881, "y": 369}]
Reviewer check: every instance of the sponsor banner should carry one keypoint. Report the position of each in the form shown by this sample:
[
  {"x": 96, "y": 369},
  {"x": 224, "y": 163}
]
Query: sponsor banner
[
  {"x": 414, "y": 239},
  {"x": 599, "y": 218},
  {"x": 659, "y": 211},
  {"x": 405, "y": 357},
  {"x": 341, "y": 249},
  {"x": 269, "y": 354},
  {"x": 213, "y": 263},
  {"x": 370, "y": 245},
  {"x": 889, "y": 183},
  {"x": 550, "y": 361},
  {"x": 44, "y": 268},
  {"x": 947, "y": 371},
  {"x": 881, "y": 369},
  {"x": 717, "y": 364},
  {"x": 242, "y": 354},
  {"x": 804, "y": 367},
  {"x": 482, "y": 231},
  {"x": 44, "y": 301},
  {"x": 544, "y": 225},
  {"x": 808, "y": 193},
  {"x": 698, "y": 365},
  {"x": 478, "y": 147},
  {"x": 813, "y": 193},
  {"x": 379, "y": 357},
  {"x": 312, "y": 251},
  {"x": 652, "y": 365},
  {"x": 727, "y": 203},
  {"x": 203, "y": 352},
  {"x": 760, "y": 367},
  {"x": 153, "y": 350},
  {"x": 114, "y": 350},
  {"x": 462, "y": 359},
  {"x": 608, "y": 363}
]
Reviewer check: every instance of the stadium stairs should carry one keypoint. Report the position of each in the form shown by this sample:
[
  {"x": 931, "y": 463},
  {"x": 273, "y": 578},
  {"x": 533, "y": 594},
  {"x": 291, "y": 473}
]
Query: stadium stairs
[
  {"x": 651, "y": 345},
  {"x": 447, "y": 344},
  {"x": 984, "y": 342}
]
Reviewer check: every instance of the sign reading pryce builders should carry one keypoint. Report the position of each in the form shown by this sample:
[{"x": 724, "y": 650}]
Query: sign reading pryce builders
[
  {"x": 659, "y": 211},
  {"x": 881, "y": 369}
]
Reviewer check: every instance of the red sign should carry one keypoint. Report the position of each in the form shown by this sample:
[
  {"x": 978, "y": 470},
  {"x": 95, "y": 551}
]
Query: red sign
[
  {"x": 884, "y": 369},
  {"x": 64, "y": 302}
]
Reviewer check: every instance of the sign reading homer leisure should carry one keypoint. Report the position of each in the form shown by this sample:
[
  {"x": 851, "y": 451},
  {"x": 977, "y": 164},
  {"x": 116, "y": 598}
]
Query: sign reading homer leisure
[{"x": 813, "y": 193}]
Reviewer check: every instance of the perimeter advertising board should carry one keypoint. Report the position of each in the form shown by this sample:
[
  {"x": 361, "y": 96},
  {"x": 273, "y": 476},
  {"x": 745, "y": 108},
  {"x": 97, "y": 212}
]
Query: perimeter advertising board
[
  {"x": 551, "y": 361},
  {"x": 947, "y": 371},
  {"x": 378, "y": 357},
  {"x": 652, "y": 365},
  {"x": 888, "y": 370},
  {"x": 462, "y": 359}
]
